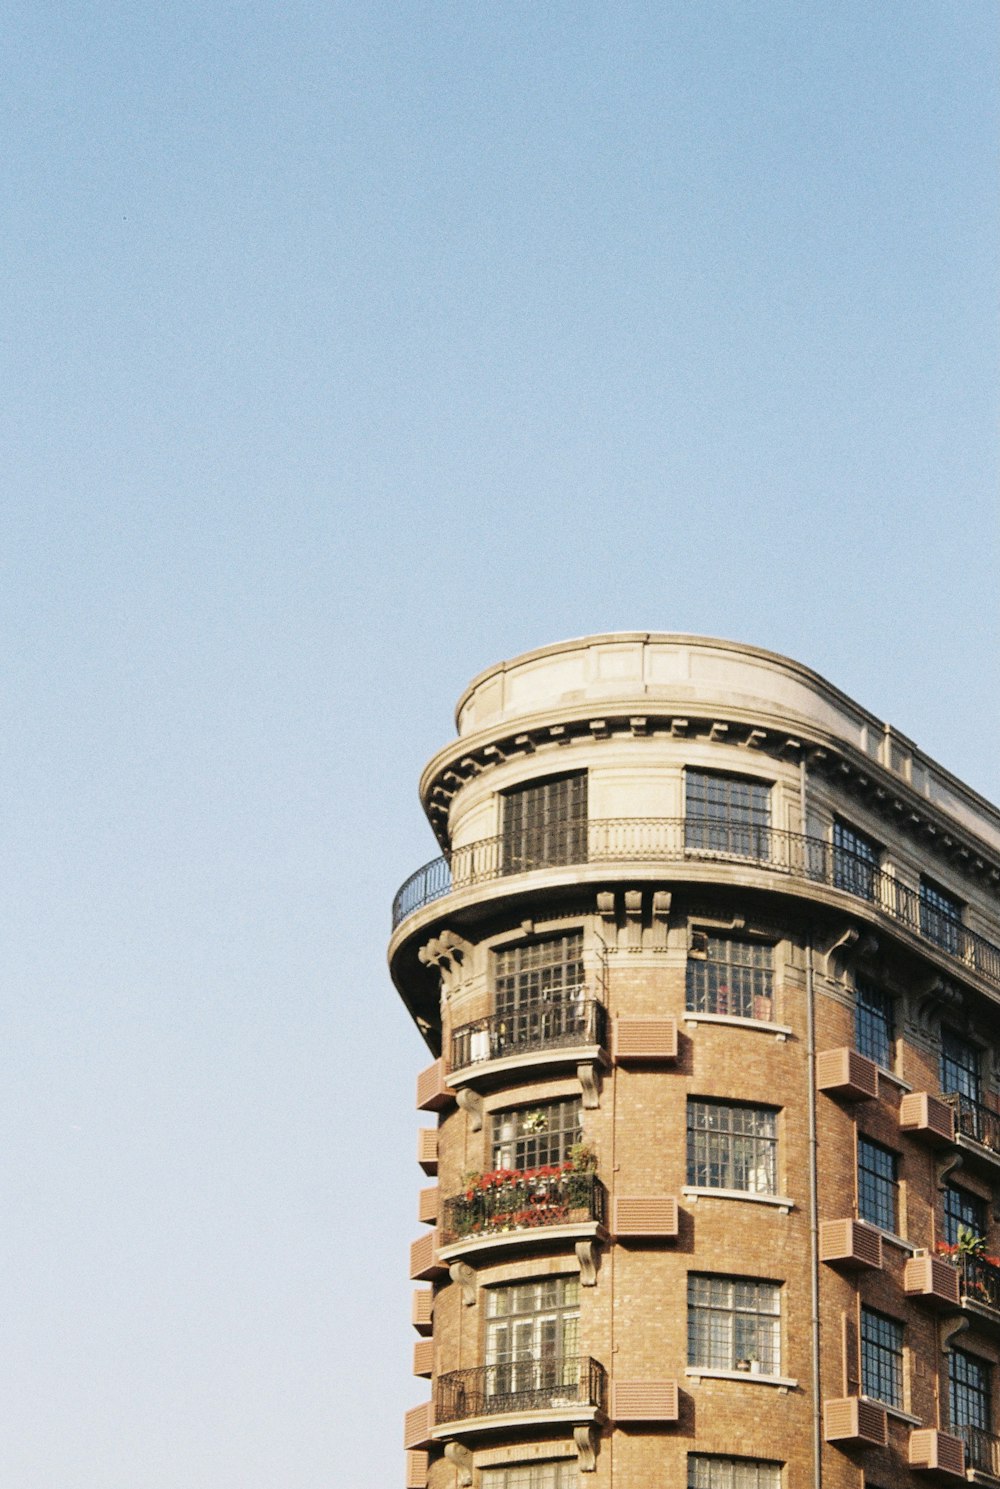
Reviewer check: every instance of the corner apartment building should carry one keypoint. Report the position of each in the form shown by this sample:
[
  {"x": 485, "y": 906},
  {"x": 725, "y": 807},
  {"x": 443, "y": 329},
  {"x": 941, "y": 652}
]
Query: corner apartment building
[{"x": 709, "y": 968}]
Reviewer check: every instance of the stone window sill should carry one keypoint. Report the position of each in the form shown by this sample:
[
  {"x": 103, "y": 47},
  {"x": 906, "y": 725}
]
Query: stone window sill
[
  {"x": 785, "y": 1383},
  {"x": 762, "y": 1026},
  {"x": 779, "y": 1201}
]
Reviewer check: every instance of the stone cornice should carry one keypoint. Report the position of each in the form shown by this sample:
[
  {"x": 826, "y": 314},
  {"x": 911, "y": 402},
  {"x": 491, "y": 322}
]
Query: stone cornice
[{"x": 881, "y": 789}]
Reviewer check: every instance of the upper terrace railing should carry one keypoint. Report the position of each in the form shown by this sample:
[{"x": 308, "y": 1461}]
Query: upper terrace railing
[
  {"x": 664, "y": 840},
  {"x": 537, "y": 1383}
]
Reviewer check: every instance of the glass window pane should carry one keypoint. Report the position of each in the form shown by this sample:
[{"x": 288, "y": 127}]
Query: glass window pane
[
  {"x": 727, "y": 976},
  {"x": 882, "y": 1357},
  {"x": 877, "y": 1184},
  {"x": 873, "y": 1026}
]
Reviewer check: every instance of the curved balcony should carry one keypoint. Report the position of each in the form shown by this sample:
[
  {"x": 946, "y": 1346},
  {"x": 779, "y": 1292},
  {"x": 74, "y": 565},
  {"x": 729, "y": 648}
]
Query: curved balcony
[
  {"x": 514, "y": 1209},
  {"x": 565, "y": 1028},
  {"x": 979, "y": 1288},
  {"x": 977, "y": 1128},
  {"x": 528, "y": 1392},
  {"x": 982, "y": 1449},
  {"x": 668, "y": 840}
]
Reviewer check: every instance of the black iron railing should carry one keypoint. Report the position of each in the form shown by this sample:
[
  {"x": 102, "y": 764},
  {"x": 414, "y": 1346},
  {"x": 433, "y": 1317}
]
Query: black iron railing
[
  {"x": 663, "y": 840},
  {"x": 538, "y": 1384},
  {"x": 980, "y": 1281},
  {"x": 982, "y": 1449},
  {"x": 974, "y": 1120},
  {"x": 564, "y": 1022},
  {"x": 555, "y": 1195}
]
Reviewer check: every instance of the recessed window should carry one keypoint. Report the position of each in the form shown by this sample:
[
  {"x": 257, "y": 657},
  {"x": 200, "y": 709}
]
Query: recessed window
[
  {"x": 727, "y": 814},
  {"x": 963, "y": 1212},
  {"x": 873, "y": 1027},
  {"x": 561, "y": 1475},
  {"x": 532, "y": 1136},
  {"x": 940, "y": 916},
  {"x": 734, "y": 1324},
  {"x": 882, "y": 1357},
  {"x": 731, "y": 1146},
  {"x": 732, "y": 1473},
  {"x": 728, "y": 976},
  {"x": 856, "y": 860},
  {"x": 878, "y": 1184},
  {"x": 968, "y": 1390},
  {"x": 544, "y": 823}
]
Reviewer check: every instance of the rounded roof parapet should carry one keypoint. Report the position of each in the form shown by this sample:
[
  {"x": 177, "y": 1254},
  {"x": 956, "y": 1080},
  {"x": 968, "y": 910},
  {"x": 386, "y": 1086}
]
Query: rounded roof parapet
[{"x": 663, "y": 672}]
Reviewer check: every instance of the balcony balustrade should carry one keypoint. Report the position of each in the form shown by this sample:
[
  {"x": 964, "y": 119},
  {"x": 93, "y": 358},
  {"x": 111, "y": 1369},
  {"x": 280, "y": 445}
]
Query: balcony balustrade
[
  {"x": 982, "y": 1449},
  {"x": 562, "y": 1023},
  {"x": 575, "y": 1385},
  {"x": 980, "y": 1283},
  {"x": 975, "y": 1121},
  {"x": 510, "y": 1201},
  {"x": 663, "y": 840}
]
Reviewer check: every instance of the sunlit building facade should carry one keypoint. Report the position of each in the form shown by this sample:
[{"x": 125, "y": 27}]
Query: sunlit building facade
[{"x": 709, "y": 970}]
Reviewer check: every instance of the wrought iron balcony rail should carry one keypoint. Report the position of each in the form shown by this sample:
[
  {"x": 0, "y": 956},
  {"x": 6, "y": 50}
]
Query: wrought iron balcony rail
[
  {"x": 563, "y": 1022},
  {"x": 525, "y": 1201},
  {"x": 974, "y": 1120},
  {"x": 663, "y": 840},
  {"x": 536, "y": 1384},
  {"x": 980, "y": 1282},
  {"x": 982, "y": 1449}
]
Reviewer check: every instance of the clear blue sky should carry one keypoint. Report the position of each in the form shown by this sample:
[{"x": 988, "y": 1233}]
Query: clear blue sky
[{"x": 348, "y": 349}]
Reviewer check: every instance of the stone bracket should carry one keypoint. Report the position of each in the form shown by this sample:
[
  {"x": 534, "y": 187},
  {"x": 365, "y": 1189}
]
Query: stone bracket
[
  {"x": 472, "y": 1104},
  {"x": 949, "y": 1329},
  {"x": 586, "y": 1074},
  {"x": 945, "y": 1167},
  {"x": 633, "y": 919},
  {"x": 463, "y": 1276},
  {"x": 586, "y": 1447},
  {"x": 458, "y": 1453},
  {"x": 609, "y": 919},
  {"x": 850, "y": 943},
  {"x": 586, "y": 1255},
  {"x": 660, "y": 922}
]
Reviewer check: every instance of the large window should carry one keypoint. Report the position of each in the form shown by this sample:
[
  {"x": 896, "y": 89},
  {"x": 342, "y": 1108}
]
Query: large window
[
  {"x": 530, "y": 1136},
  {"x": 968, "y": 1390},
  {"x": 727, "y": 814},
  {"x": 940, "y": 916},
  {"x": 873, "y": 1031},
  {"x": 734, "y": 1324},
  {"x": 877, "y": 1184},
  {"x": 731, "y": 977},
  {"x": 856, "y": 861},
  {"x": 731, "y": 1473},
  {"x": 532, "y": 1334},
  {"x": 731, "y": 1146},
  {"x": 538, "y": 991},
  {"x": 545, "y": 823},
  {"x": 560, "y": 1475},
  {"x": 882, "y": 1357},
  {"x": 963, "y": 1212},
  {"x": 959, "y": 1065}
]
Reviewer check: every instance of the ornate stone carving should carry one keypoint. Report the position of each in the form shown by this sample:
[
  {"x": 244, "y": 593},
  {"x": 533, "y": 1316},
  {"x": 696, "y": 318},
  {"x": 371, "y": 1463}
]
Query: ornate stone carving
[
  {"x": 660, "y": 923},
  {"x": 448, "y": 953},
  {"x": 945, "y": 1167},
  {"x": 472, "y": 1104},
  {"x": 586, "y": 1074},
  {"x": 633, "y": 919},
  {"x": 458, "y": 1453},
  {"x": 609, "y": 918},
  {"x": 586, "y": 1255},
  {"x": 949, "y": 1329},
  {"x": 464, "y": 1277},
  {"x": 586, "y": 1448}
]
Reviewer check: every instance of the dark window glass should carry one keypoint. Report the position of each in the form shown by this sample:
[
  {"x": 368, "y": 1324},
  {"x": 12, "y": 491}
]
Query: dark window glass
[
  {"x": 533, "y": 1136},
  {"x": 731, "y": 1146},
  {"x": 733, "y": 1321},
  {"x": 882, "y": 1357},
  {"x": 962, "y": 1212},
  {"x": 877, "y": 1184},
  {"x": 730, "y": 977},
  {"x": 727, "y": 814},
  {"x": 959, "y": 1065},
  {"x": 732, "y": 1473},
  {"x": 856, "y": 861},
  {"x": 968, "y": 1390},
  {"x": 940, "y": 916},
  {"x": 873, "y": 1032},
  {"x": 545, "y": 823}
]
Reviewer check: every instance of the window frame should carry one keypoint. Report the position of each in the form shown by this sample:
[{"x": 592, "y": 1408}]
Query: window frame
[
  {"x": 869, "y": 1018},
  {"x": 877, "y": 1185},
  {"x": 537, "y": 1154},
  {"x": 883, "y": 1357},
  {"x": 543, "y": 822},
  {"x": 735, "y": 974},
  {"x": 857, "y": 860},
  {"x": 717, "y": 821},
  {"x": 980, "y": 1392},
  {"x": 974, "y": 1207},
  {"x": 551, "y": 1473},
  {"x": 724, "y": 1150},
  {"x": 725, "y": 1330},
  {"x": 971, "y": 1069},
  {"x": 744, "y": 1473},
  {"x": 941, "y": 916}
]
